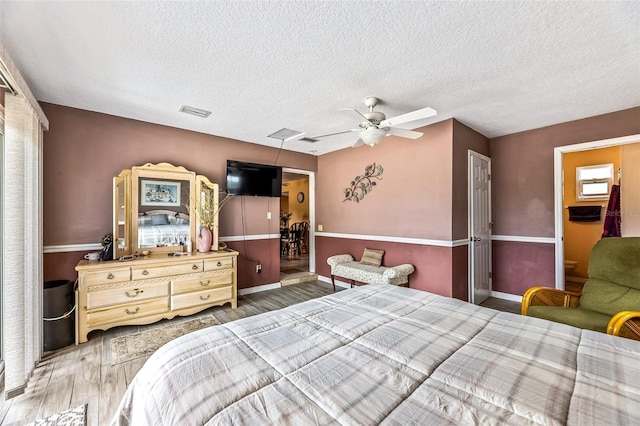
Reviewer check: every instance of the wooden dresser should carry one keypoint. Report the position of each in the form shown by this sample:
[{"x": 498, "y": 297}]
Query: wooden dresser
[{"x": 151, "y": 288}]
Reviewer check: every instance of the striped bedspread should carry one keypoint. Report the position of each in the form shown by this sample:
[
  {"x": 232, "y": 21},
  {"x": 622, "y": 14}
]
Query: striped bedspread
[{"x": 381, "y": 354}]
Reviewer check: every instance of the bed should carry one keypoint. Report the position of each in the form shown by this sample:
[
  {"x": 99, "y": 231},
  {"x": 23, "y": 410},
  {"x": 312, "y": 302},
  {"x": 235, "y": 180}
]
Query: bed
[
  {"x": 161, "y": 228},
  {"x": 381, "y": 354}
]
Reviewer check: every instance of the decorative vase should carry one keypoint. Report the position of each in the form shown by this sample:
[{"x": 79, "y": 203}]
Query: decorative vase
[{"x": 203, "y": 240}]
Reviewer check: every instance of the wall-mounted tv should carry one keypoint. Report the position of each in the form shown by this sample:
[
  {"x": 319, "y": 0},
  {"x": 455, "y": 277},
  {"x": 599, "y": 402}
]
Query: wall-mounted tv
[{"x": 261, "y": 180}]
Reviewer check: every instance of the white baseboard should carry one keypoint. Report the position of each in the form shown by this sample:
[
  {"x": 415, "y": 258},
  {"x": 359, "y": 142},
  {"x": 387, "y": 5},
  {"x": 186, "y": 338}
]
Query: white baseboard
[
  {"x": 258, "y": 289},
  {"x": 506, "y": 296},
  {"x": 338, "y": 282}
]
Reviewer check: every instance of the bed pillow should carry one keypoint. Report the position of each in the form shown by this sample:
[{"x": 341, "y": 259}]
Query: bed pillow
[
  {"x": 372, "y": 257},
  {"x": 159, "y": 219},
  {"x": 182, "y": 219}
]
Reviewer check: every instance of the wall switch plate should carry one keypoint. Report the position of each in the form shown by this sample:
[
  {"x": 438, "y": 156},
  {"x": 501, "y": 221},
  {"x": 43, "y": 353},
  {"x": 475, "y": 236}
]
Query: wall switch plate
[
  {"x": 320, "y": 228},
  {"x": 268, "y": 215},
  {"x": 258, "y": 268}
]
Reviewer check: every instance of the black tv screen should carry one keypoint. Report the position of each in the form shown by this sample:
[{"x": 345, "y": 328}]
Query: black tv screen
[{"x": 261, "y": 180}]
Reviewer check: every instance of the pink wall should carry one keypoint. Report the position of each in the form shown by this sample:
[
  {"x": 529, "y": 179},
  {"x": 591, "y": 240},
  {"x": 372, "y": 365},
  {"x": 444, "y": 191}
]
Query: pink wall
[
  {"x": 518, "y": 266},
  {"x": 433, "y": 264},
  {"x": 83, "y": 150},
  {"x": 464, "y": 139},
  {"x": 522, "y": 180},
  {"x": 522, "y": 192},
  {"x": 413, "y": 198},
  {"x": 423, "y": 195}
]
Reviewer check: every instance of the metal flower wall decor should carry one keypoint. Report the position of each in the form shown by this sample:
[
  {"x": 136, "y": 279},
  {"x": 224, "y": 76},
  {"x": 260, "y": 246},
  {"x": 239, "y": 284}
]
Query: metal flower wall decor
[{"x": 361, "y": 185}]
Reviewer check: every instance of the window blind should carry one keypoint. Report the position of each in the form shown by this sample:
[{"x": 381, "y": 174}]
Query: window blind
[{"x": 22, "y": 243}]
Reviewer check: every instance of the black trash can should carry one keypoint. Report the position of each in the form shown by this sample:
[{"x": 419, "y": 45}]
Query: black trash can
[{"x": 58, "y": 312}]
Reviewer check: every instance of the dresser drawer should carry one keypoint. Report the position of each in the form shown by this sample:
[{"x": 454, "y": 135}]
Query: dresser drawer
[
  {"x": 206, "y": 281},
  {"x": 131, "y": 311},
  {"x": 204, "y": 297},
  {"x": 221, "y": 263},
  {"x": 126, "y": 293},
  {"x": 141, "y": 273},
  {"x": 108, "y": 276}
]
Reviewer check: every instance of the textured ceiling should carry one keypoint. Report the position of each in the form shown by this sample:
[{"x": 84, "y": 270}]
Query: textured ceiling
[{"x": 498, "y": 67}]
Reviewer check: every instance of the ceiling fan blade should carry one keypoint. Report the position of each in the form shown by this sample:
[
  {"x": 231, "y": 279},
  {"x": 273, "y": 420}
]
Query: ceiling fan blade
[
  {"x": 358, "y": 143},
  {"x": 410, "y": 134},
  {"x": 336, "y": 133},
  {"x": 410, "y": 116},
  {"x": 357, "y": 112}
]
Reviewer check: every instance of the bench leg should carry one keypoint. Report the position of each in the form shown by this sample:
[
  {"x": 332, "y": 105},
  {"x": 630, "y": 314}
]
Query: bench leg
[{"x": 333, "y": 281}]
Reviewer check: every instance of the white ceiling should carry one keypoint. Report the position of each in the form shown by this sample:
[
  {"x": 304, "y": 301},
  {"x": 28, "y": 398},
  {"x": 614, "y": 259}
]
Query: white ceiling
[{"x": 498, "y": 67}]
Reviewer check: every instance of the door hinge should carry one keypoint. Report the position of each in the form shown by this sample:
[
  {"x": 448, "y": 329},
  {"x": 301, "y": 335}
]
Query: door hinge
[{"x": 490, "y": 274}]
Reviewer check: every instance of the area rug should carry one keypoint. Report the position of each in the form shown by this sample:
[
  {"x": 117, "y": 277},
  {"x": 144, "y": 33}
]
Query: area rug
[
  {"x": 144, "y": 343},
  {"x": 74, "y": 417}
]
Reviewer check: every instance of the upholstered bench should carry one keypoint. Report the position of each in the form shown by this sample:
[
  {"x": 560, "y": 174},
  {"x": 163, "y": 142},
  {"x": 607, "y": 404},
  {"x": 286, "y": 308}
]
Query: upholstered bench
[{"x": 344, "y": 266}]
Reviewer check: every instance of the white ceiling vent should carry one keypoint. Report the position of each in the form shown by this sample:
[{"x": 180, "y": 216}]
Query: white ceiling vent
[
  {"x": 286, "y": 134},
  {"x": 195, "y": 111}
]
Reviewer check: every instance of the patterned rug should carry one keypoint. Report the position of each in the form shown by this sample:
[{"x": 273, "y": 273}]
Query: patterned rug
[
  {"x": 74, "y": 417},
  {"x": 144, "y": 343}
]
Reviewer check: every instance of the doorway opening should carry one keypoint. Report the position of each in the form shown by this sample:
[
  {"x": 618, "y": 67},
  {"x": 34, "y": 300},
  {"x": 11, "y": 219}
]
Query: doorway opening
[
  {"x": 296, "y": 226},
  {"x": 566, "y": 262}
]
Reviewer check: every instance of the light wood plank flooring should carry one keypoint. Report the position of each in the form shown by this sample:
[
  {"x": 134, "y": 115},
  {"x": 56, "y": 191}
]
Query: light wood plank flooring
[{"x": 81, "y": 374}]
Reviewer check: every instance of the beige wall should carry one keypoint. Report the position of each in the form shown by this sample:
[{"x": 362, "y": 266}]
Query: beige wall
[
  {"x": 630, "y": 190},
  {"x": 580, "y": 237}
]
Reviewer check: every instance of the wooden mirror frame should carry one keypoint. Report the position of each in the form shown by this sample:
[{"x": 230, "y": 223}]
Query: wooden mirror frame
[{"x": 202, "y": 201}]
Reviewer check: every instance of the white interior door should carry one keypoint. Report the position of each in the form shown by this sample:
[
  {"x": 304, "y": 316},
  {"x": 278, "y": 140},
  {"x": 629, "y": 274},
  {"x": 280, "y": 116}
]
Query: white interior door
[{"x": 479, "y": 227}]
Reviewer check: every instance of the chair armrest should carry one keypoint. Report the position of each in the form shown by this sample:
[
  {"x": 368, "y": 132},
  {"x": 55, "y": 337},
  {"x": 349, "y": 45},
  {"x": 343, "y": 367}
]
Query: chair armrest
[
  {"x": 625, "y": 324},
  {"x": 339, "y": 258},
  {"x": 399, "y": 271},
  {"x": 545, "y": 296}
]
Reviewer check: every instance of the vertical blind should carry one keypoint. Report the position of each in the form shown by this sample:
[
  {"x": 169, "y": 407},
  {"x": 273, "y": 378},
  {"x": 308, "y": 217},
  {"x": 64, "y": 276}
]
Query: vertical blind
[{"x": 22, "y": 243}]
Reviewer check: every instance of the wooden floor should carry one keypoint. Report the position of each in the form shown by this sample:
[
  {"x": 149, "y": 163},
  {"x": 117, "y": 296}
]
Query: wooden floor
[{"x": 83, "y": 374}]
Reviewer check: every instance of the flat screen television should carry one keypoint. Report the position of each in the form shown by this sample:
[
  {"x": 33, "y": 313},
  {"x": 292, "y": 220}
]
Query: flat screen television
[{"x": 260, "y": 180}]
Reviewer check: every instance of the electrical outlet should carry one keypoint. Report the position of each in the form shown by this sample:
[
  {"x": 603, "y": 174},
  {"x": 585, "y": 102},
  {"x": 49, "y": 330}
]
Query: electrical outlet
[{"x": 258, "y": 268}]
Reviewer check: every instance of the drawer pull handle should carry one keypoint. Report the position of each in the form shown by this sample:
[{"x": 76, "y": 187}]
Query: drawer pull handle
[
  {"x": 205, "y": 283},
  {"x": 137, "y": 292},
  {"x": 128, "y": 312},
  {"x": 219, "y": 263},
  {"x": 194, "y": 267},
  {"x": 145, "y": 272},
  {"x": 205, "y": 298},
  {"x": 110, "y": 276}
]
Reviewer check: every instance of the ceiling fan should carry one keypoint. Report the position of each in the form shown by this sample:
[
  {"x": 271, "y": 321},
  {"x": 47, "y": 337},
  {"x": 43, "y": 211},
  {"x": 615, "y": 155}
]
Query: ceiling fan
[{"x": 376, "y": 125}]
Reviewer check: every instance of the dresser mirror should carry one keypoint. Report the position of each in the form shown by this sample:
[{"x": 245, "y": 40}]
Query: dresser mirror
[{"x": 159, "y": 208}]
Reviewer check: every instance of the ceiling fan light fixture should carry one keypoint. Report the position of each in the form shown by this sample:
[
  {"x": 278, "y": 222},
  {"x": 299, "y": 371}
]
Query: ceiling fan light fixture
[{"x": 372, "y": 136}]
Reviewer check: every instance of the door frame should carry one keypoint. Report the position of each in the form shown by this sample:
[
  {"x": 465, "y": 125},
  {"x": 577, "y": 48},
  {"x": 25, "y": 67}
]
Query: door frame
[
  {"x": 312, "y": 213},
  {"x": 558, "y": 189},
  {"x": 471, "y": 263}
]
